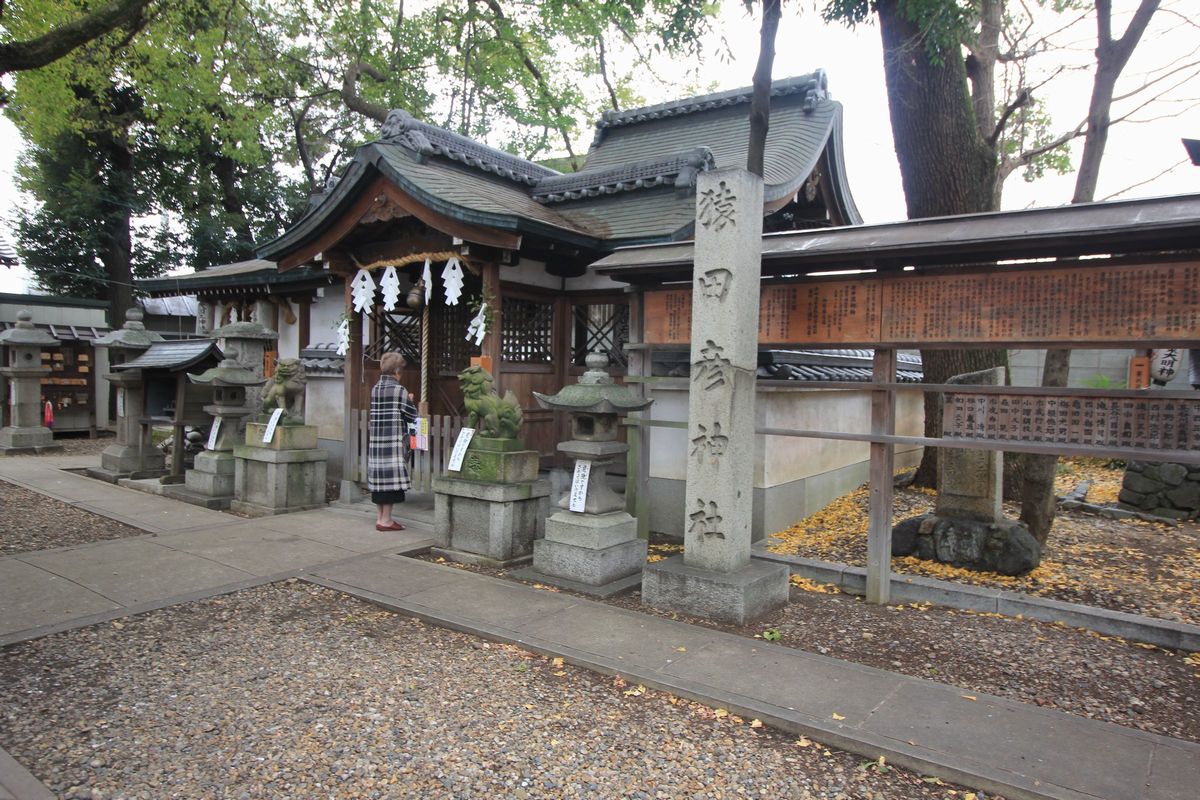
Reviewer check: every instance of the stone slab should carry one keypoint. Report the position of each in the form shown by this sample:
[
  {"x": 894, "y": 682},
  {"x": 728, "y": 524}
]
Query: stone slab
[
  {"x": 591, "y": 566},
  {"x": 280, "y": 456},
  {"x": 736, "y": 597},
  {"x": 595, "y": 531},
  {"x": 498, "y": 466},
  {"x": 493, "y": 492},
  {"x": 394, "y": 577},
  {"x": 18, "y": 783},
  {"x": 479, "y": 559},
  {"x": 31, "y": 596},
  {"x": 249, "y": 509},
  {"x": 286, "y": 437},
  {"x": 611, "y": 589},
  {"x": 493, "y": 602},
  {"x": 186, "y": 494},
  {"x": 617, "y": 634},
  {"x": 259, "y": 552},
  {"x": 130, "y": 571}
]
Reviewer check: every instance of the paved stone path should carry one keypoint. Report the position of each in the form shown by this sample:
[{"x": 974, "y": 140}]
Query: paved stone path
[{"x": 991, "y": 743}]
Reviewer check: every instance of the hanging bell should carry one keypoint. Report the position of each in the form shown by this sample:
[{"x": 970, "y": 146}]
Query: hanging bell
[{"x": 416, "y": 295}]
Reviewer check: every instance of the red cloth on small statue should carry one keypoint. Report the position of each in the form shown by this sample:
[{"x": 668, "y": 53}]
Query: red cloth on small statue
[{"x": 48, "y": 415}]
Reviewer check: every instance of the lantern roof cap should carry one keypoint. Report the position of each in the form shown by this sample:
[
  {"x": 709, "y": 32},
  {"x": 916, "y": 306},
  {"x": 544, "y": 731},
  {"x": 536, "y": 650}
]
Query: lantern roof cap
[
  {"x": 596, "y": 393},
  {"x": 133, "y": 334},
  {"x": 230, "y": 372},
  {"x": 24, "y": 333}
]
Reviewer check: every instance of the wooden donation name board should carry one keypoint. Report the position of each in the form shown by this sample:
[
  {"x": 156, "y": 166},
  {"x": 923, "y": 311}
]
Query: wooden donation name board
[
  {"x": 1100, "y": 422},
  {"x": 1121, "y": 304}
]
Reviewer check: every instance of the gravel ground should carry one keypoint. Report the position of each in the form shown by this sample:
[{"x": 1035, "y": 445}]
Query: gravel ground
[
  {"x": 292, "y": 690},
  {"x": 30, "y": 521},
  {"x": 1051, "y": 665}
]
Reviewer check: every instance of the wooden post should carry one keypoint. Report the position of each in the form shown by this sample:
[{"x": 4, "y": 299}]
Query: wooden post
[
  {"x": 883, "y": 459},
  {"x": 303, "y": 333},
  {"x": 637, "y": 478},
  {"x": 491, "y": 342},
  {"x": 352, "y": 377}
]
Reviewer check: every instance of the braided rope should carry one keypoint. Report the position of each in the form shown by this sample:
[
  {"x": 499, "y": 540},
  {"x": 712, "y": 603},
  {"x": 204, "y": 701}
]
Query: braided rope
[
  {"x": 424, "y": 400},
  {"x": 412, "y": 258}
]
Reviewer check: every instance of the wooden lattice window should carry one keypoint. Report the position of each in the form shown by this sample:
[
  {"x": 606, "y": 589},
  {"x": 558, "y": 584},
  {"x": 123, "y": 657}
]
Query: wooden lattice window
[
  {"x": 394, "y": 331},
  {"x": 450, "y": 350},
  {"x": 528, "y": 331},
  {"x": 600, "y": 327}
]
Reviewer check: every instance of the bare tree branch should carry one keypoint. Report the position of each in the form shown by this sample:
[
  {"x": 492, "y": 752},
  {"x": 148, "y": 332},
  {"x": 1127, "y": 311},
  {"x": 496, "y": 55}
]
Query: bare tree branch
[
  {"x": 353, "y": 99},
  {"x": 59, "y": 41},
  {"x": 1166, "y": 171},
  {"x": 1022, "y": 100}
]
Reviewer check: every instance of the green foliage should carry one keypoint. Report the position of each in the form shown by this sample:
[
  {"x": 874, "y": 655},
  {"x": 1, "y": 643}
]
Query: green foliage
[
  {"x": 1029, "y": 131},
  {"x": 1099, "y": 381},
  {"x": 944, "y": 24},
  {"x": 772, "y": 635}
]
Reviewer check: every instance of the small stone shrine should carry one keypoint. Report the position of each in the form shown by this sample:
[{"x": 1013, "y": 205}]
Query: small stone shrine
[
  {"x": 251, "y": 341},
  {"x": 210, "y": 481},
  {"x": 279, "y": 469},
  {"x": 967, "y": 528},
  {"x": 492, "y": 508},
  {"x": 133, "y": 454},
  {"x": 715, "y": 577},
  {"x": 23, "y": 345},
  {"x": 591, "y": 544}
]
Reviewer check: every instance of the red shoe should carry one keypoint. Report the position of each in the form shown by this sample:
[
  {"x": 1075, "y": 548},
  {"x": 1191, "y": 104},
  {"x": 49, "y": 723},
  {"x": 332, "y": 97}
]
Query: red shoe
[{"x": 391, "y": 526}]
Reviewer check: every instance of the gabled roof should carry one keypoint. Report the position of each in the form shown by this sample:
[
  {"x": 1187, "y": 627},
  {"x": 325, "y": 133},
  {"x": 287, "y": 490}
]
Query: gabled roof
[
  {"x": 637, "y": 184},
  {"x": 174, "y": 356},
  {"x": 255, "y": 273}
]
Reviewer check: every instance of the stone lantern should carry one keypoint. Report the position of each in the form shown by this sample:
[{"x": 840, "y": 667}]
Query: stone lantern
[
  {"x": 251, "y": 341},
  {"x": 133, "y": 454},
  {"x": 23, "y": 368},
  {"x": 595, "y": 547},
  {"x": 210, "y": 482}
]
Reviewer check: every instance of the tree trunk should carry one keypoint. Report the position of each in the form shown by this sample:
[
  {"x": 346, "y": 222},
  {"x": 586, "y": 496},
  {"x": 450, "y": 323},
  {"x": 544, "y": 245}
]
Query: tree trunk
[
  {"x": 760, "y": 102},
  {"x": 1038, "y": 503},
  {"x": 947, "y": 167},
  {"x": 117, "y": 252}
]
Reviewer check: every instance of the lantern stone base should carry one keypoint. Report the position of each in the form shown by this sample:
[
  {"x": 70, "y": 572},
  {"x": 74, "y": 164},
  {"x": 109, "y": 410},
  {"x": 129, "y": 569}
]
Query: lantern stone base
[
  {"x": 597, "y": 551},
  {"x": 489, "y": 524},
  {"x": 25, "y": 441},
  {"x": 210, "y": 483},
  {"x": 273, "y": 481},
  {"x": 735, "y": 597},
  {"x": 286, "y": 437},
  {"x": 498, "y": 461},
  {"x": 121, "y": 461}
]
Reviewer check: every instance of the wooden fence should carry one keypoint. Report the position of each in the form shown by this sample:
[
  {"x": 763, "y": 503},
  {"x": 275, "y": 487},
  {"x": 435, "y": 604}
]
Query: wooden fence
[{"x": 424, "y": 465}]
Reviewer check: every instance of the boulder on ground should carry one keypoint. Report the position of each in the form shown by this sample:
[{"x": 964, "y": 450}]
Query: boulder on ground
[{"x": 1006, "y": 547}]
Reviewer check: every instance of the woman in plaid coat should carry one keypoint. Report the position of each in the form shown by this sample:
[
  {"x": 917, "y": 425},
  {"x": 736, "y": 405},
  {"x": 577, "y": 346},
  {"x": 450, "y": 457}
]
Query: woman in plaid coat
[{"x": 392, "y": 410}]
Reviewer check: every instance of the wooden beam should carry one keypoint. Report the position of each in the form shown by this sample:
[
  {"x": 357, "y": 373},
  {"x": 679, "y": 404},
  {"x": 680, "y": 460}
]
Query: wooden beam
[
  {"x": 305, "y": 323},
  {"x": 882, "y": 467},
  {"x": 338, "y": 230},
  {"x": 398, "y": 248},
  {"x": 450, "y": 226}
]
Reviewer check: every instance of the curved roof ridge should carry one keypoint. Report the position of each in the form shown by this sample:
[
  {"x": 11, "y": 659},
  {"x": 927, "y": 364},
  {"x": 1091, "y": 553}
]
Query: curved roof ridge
[
  {"x": 815, "y": 86},
  {"x": 676, "y": 169},
  {"x": 403, "y": 128}
]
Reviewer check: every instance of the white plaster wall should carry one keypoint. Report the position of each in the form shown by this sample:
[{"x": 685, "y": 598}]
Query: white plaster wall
[
  {"x": 1086, "y": 367},
  {"x": 325, "y": 314},
  {"x": 783, "y": 459},
  {"x": 530, "y": 273},
  {"x": 288, "y": 345},
  {"x": 55, "y": 315},
  {"x": 324, "y": 401}
]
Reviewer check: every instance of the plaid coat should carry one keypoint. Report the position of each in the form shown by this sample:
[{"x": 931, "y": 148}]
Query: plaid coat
[{"x": 391, "y": 412}]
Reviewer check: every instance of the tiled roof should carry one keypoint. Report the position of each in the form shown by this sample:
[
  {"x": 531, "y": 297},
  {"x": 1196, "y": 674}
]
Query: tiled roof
[
  {"x": 66, "y": 333},
  {"x": 323, "y": 359},
  {"x": 806, "y": 365},
  {"x": 174, "y": 356},
  {"x": 678, "y": 170}
]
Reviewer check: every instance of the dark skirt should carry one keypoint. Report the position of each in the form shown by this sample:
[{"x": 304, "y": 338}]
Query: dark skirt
[{"x": 391, "y": 496}]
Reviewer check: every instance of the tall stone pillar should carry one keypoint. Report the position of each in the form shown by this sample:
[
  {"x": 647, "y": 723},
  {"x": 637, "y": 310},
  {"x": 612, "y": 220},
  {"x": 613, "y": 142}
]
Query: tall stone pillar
[
  {"x": 715, "y": 577},
  {"x": 23, "y": 368},
  {"x": 132, "y": 454}
]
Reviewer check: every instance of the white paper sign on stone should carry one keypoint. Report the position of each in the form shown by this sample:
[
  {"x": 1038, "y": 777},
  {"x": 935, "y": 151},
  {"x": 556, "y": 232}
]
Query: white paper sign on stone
[
  {"x": 579, "y": 485},
  {"x": 120, "y": 399},
  {"x": 427, "y": 277},
  {"x": 343, "y": 332},
  {"x": 477, "y": 329},
  {"x": 362, "y": 290},
  {"x": 212, "y": 434},
  {"x": 390, "y": 284},
  {"x": 272, "y": 423},
  {"x": 452, "y": 281},
  {"x": 460, "y": 449}
]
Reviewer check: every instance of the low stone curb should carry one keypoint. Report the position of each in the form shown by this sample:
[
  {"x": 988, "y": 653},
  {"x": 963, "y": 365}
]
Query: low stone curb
[
  {"x": 1114, "y": 513},
  {"x": 908, "y": 589},
  {"x": 17, "y": 783}
]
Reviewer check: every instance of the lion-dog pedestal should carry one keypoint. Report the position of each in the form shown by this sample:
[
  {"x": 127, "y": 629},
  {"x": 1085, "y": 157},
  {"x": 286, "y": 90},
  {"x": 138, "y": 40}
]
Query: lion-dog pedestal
[
  {"x": 283, "y": 472},
  {"x": 491, "y": 510}
]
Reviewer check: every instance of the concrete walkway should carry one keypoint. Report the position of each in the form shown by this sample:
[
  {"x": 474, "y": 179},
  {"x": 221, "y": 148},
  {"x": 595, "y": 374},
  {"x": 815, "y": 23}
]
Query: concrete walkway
[{"x": 989, "y": 743}]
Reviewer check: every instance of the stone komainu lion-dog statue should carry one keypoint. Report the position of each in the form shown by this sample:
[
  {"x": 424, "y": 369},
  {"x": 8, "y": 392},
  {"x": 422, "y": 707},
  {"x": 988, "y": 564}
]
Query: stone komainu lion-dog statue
[
  {"x": 286, "y": 390},
  {"x": 487, "y": 412}
]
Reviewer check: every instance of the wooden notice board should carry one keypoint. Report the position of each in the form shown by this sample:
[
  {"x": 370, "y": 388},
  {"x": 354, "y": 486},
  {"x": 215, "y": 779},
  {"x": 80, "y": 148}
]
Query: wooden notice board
[
  {"x": 1102, "y": 422},
  {"x": 1069, "y": 305}
]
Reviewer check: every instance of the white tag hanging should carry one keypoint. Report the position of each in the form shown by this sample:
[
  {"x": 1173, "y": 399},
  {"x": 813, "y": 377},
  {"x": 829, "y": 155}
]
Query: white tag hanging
[
  {"x": 478, "y": 326},
  {"x": 452, "y": 281},
  {"x": 362, "y": 290},
  {"x": 427, "y": 277},
  {"x": 390, "y": 284},
  {"x": 343, "y": 332}
]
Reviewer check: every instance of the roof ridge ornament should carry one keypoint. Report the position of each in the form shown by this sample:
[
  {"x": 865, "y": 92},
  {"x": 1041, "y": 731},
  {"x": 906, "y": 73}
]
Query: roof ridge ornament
[
  {"x": 678, "y": 170},
  {"x": 402, "y": 128}
]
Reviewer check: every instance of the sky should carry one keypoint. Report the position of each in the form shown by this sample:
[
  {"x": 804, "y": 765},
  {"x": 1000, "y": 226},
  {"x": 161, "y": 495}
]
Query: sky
[{"x": 1145, "y": 152}]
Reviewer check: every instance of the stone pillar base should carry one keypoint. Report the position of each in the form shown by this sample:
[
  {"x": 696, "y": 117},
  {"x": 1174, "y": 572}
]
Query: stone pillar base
[
  {"x": 735, "y": 597},
  {"x": 120, "y": 461},
  {"x": 595, "y": 550},
  {"x": 210, "y": 483},
  {"x": 489, "y": 524},
  {"x": 26, "y": 441},
  {"x": 268, "y": 482}
]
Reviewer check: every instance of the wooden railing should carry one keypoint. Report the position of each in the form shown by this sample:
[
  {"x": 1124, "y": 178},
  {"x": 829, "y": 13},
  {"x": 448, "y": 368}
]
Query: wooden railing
[{"x": 424, "y": 465}]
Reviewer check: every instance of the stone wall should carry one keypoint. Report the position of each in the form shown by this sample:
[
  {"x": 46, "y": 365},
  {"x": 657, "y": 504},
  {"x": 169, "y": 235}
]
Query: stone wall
[{"x": 1164, "y": 490}]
